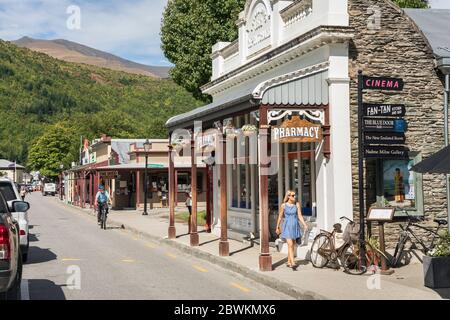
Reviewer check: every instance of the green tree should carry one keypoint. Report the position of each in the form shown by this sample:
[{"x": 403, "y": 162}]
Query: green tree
[
  {"x": 189, "y": 29},
  {"x": 412, "y": 3},
  {"x": 55, "y": 147}
]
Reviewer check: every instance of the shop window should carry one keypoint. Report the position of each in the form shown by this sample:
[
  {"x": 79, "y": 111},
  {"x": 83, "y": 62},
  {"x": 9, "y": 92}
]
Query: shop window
[{"x": 396, "y": 185}]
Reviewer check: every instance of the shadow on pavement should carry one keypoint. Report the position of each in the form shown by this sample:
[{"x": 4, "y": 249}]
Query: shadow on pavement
[
  {"x": 444, "y": 293},
  {"x": 39, "y": 255},
  {"x": 42, "y": 289}
]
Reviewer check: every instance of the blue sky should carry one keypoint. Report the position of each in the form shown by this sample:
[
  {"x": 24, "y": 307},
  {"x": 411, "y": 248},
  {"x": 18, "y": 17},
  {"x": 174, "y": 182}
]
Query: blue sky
[{"x": 127, "y": 28}]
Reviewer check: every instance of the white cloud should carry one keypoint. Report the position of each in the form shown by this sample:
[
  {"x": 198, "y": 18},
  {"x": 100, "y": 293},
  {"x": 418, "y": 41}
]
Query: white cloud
[{"x": 126, "y": 28}]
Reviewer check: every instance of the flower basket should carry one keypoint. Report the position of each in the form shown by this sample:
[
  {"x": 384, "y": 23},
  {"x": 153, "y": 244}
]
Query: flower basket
[
  {"x": 249, "y": 130},
  {"x": 178, "y": 145}
]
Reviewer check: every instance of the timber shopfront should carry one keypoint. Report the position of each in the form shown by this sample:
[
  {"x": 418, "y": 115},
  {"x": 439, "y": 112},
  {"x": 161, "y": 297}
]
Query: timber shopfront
[
  {"x": 284, "y": 116},
  {"x": 276, "y": 91}
]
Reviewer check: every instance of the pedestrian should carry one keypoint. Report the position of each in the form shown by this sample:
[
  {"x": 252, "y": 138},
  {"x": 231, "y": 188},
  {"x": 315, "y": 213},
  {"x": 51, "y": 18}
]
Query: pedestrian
[
  {"x": 291, "y": 213},
  {"x": 189, "y": 206},
  {"x": 23, "y": 192}
]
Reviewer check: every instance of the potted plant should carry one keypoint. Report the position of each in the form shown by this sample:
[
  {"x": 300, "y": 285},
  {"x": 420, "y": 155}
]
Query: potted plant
[
  {"x": 249, "y": 129},
  {"x": 436, "y": 264}
]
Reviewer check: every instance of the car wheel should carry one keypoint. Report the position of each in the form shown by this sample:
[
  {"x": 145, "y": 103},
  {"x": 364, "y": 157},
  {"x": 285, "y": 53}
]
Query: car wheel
[{"x": 15, "y": 292}]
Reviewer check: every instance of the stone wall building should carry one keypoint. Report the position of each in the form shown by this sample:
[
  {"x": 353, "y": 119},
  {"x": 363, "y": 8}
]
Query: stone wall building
[{"x": 388, "y": 42}]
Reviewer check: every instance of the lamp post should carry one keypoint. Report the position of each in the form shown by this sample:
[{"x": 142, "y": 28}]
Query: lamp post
[
  {"x": 147, "y": 147},
  {"x": 61, "y": 166}
]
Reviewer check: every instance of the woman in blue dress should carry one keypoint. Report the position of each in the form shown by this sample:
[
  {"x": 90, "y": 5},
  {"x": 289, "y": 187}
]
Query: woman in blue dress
[{"x": 290, "y": 210}]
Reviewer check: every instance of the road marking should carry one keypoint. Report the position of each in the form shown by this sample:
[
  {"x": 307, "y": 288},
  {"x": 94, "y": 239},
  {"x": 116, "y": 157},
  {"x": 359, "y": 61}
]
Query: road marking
[
  {"x": 171, "y": 255},
  {"x": 200, "y": 268},
  {"x": 70, "y": 259},
  {"x": 24, "y": 290},
  {"x": 128, "y": 260},
  {"x": 240, "y": 287}
]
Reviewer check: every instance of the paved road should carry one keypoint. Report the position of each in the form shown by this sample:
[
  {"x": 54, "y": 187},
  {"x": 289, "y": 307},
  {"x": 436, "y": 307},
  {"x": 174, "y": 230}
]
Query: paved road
[{"x": 114, "y": 264}]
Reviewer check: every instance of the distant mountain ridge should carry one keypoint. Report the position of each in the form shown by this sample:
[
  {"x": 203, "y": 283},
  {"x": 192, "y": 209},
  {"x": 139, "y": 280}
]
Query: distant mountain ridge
[{"x": 78, "y": 53}]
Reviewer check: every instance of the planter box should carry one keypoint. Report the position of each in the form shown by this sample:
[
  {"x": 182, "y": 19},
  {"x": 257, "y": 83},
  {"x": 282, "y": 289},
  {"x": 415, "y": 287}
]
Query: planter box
[{"x": 436, "y": 272}]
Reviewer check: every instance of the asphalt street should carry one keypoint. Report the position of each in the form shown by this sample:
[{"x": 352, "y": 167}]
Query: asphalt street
[{"x": 72, "y": 258}]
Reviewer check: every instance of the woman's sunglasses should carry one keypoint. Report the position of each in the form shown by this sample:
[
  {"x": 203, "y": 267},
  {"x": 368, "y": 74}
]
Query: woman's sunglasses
[{"x": 292, "y": 195}]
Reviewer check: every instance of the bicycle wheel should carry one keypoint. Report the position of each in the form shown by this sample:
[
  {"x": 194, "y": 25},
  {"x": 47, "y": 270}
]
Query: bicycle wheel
[
  {"x": 398, "y": 253},
  {"x": 318, "y": 251},
  {"x": 104, "y": 219},
  {"x": 351, "y": 260}
]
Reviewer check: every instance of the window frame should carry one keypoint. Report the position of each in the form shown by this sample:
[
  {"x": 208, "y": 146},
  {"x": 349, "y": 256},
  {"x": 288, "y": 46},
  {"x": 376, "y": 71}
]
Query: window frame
[{"x": 418, "y": 211}]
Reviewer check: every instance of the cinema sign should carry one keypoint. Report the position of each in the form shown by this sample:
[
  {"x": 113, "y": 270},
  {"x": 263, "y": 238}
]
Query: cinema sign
[
  {"x": 383, "y": 83},
  {"x": 297, "y": 130}
]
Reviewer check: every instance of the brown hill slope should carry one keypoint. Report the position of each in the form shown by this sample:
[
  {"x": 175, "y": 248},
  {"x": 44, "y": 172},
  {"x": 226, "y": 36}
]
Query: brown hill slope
[{"x": 75, "y": 52}]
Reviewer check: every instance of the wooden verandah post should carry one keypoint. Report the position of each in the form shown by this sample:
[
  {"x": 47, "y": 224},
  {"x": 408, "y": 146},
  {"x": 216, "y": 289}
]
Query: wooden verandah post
[
  {"x": 224, "y": 246},
  {"x": 193, "y": 221},
  {"x": 265, "y": 259},
  {"x": 172, "y": 194}
]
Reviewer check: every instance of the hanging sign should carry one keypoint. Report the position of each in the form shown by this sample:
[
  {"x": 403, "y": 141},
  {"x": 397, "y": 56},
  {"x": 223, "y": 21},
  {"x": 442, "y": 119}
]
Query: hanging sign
[
  {"x": 383, "y": 83},
  {"x": 205, "y": 142},
  {"x": 384, "y": 110},
  {"x": 297, "y": 130},
  {"x": 384, "y": 124},
  {"x": 386, "y": 152},
  {"x": 389, "y": 138}
]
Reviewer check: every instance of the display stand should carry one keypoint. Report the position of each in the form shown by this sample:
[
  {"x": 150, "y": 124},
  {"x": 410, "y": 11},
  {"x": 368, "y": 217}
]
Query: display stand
[{"x": 382, "y": 215}]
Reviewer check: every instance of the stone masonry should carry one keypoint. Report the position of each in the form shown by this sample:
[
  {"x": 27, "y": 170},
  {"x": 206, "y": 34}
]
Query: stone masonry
[{"x": 398, "y": 49}]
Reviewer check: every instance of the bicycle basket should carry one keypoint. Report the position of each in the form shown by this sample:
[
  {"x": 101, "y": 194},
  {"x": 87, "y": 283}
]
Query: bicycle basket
[{"x": 351, "y": 233}]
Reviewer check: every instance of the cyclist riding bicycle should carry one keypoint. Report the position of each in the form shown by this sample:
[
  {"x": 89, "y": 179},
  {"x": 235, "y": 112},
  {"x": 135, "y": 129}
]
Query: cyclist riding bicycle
[{"x": 102, "y": 199}]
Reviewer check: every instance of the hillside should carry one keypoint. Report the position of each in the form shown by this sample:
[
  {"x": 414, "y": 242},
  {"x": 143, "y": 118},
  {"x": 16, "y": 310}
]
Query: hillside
[
  {"x": 74, "y": 52},
  {"x": 37, "y": 91}
]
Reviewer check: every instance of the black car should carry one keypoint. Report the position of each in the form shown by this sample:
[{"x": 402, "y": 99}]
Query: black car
[{"x": 10, "y": 255}]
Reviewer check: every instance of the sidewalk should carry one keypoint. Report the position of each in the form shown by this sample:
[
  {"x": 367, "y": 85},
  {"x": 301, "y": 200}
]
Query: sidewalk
[{"x": 306, "y": 283}]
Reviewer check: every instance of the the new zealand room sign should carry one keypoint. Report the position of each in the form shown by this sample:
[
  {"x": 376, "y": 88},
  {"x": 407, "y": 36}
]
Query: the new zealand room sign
[{"x": 297, "y": 130}]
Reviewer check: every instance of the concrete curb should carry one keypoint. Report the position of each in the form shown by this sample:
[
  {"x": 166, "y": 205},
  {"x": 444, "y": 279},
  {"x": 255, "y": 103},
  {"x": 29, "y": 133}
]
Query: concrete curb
[{"x": 268, "y": 281}]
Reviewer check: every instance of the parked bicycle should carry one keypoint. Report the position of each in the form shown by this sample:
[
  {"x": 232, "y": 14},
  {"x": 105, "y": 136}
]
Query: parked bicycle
[
  {"x": 408, "y": 234},
  {"x": 325, "y": 250}
]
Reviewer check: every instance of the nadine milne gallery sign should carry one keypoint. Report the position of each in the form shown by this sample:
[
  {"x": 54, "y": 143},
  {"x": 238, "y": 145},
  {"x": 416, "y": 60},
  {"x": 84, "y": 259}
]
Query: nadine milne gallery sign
[{"x": 297, "y": 130}]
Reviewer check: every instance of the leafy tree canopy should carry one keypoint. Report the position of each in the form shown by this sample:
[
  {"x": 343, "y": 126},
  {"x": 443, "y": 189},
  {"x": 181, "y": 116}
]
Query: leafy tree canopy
[
  {"x": 412, "y": 3},
  {"x": 56, "y": 146},
  {"x": 189, "y": 30}
]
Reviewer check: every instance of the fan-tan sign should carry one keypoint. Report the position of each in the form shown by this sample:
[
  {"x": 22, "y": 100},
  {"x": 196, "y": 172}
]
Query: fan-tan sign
[{"x": 297, "y": 130}]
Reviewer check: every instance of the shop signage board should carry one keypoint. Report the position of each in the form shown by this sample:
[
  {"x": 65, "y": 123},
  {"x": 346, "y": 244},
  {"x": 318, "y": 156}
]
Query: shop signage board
[
  {"x": 386, "y": 152},
  {"x": 384, "y": 124},
  {"x": 109, "y": 174},
  {"x": 383, "y": 83},
  {"x": 384, "y": 110},
  {"x": 206, "y": 141},
  {"x": 155, "y": 166},
  {"x": 388, "y": 138},
  {"x": 297, "y": 130},
  {"x": 381, "y": 214}
]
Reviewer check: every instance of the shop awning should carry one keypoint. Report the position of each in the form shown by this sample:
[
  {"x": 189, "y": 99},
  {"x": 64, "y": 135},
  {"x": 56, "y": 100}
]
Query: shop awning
[
  {"x": 311, "y": 89},
  {"x": 437, "y": 163},
  {"x": 209, "y": 112}
]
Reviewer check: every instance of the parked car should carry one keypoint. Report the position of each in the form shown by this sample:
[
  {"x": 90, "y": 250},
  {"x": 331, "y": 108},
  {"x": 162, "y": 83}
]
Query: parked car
[
  {"x": 29, "y": 188},
  {"x": 9, "y": 191},
  {"x": 49, "y": 188},
  {"x": 10, "y": 255}
]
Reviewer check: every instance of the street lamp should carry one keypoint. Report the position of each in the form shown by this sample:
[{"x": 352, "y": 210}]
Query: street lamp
[
  {"x": 61, "y": 166},
  {"x": 147, "y": 147}
]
